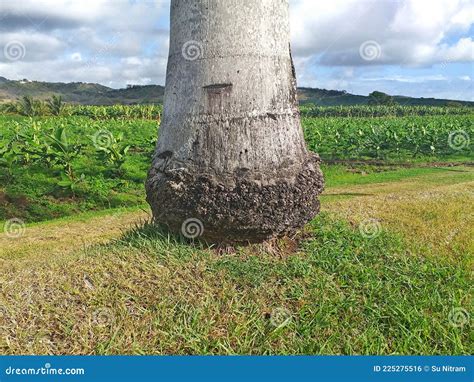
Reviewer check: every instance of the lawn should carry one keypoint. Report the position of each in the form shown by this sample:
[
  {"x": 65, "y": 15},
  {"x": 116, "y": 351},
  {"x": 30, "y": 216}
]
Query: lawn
[{"x": 109, "y": 283}]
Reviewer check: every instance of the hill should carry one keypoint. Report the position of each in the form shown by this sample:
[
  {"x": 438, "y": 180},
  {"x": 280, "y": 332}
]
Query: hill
[
  {"x": 323, "y": 97},
  {"x": 96, "y": 94},
  {"x": 79, "y": 92}
]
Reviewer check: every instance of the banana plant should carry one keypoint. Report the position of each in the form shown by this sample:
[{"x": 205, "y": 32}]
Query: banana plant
[
  {"x": 30, "y": 140},
  {"x": 62, "y": 152},
  {"x": 113, "y": 152},
  {"x": 71, "y": 183},
  {"x": 10, "y": 154},
  {"x": 55, "y": 105}
]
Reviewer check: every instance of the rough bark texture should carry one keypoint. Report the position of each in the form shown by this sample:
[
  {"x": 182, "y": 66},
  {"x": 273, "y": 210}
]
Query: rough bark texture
[{"x": 231, "y": 151}]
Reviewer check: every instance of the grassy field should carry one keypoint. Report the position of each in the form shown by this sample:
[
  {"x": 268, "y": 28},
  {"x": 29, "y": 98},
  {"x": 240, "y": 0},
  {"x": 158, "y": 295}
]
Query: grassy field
[{"x": 385, "y": 269}]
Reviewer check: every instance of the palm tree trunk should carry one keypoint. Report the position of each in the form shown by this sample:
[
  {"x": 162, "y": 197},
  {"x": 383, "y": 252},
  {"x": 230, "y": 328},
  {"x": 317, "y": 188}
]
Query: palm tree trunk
[{"x": 231, "y": 152}]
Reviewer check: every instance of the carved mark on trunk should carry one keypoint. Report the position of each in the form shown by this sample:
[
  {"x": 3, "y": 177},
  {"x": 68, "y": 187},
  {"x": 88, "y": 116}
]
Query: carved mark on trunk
[{"x": 217, "y": 97}]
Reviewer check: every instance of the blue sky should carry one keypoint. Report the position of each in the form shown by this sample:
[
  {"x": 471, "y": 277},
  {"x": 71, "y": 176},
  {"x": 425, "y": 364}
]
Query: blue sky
[{"x": 421, "y": 48}]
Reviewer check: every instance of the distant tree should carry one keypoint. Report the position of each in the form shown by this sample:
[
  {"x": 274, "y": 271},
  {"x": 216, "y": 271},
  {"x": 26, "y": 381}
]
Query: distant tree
[
  {"x": 379, "y": 98},
  {"x": 9, "y": 107},
  {"x": 26, "y": 106},
  {"x": 55, "y": 105},
  {"x": 30, "y": 107}
]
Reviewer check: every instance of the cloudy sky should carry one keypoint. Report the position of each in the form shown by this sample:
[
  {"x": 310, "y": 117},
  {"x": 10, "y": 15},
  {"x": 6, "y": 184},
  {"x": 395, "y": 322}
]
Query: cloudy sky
[{"x": 420, "y": 48}]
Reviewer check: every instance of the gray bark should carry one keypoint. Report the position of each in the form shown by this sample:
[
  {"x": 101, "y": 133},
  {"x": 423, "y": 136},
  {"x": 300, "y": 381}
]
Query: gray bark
[{"x": 231, "y": 152}]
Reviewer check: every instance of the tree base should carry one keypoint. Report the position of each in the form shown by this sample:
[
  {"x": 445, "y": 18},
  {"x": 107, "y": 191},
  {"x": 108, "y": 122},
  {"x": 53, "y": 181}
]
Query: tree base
[{"x": 244, "y": 207}]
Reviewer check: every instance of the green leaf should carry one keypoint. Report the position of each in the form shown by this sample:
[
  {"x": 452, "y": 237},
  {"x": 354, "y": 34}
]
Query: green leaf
[{"x": 64, "y": 183}]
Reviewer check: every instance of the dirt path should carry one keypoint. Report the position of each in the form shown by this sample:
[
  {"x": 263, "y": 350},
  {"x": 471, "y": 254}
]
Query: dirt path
[{"x": 65, "y": 236}]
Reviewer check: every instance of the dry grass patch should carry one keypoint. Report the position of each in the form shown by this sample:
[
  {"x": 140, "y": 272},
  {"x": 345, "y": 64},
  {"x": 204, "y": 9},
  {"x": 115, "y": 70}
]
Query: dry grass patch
[
  {"x": 440, "y": 218},
  {"x": 46, "y": 240}
]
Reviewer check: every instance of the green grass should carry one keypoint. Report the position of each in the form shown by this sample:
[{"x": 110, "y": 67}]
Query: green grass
[
  {"x": 149, "y": 293},
  {"x": 83, "y": 216},
  {"x": 344, "y": 294},
  {"x": 339, "y": 175}
]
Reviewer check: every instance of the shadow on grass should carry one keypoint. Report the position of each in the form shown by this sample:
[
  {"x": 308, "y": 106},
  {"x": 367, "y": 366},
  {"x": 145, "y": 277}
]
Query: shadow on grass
[
  {"x": 349, "y": 194},
  {"x": 451, "y": 169},
  {"x": 146, "y": 231}
]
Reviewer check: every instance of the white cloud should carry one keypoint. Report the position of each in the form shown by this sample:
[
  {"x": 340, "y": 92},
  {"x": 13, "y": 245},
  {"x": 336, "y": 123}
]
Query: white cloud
[
  {"x": 101, "y": 41},
  {"x": 35, "y": 46},
  {"x": 463, "y": 50},
  {"x": 409, "y": 79},
  {"x": 409, "y": 32},
  {"x": 38, "y": 13}
]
